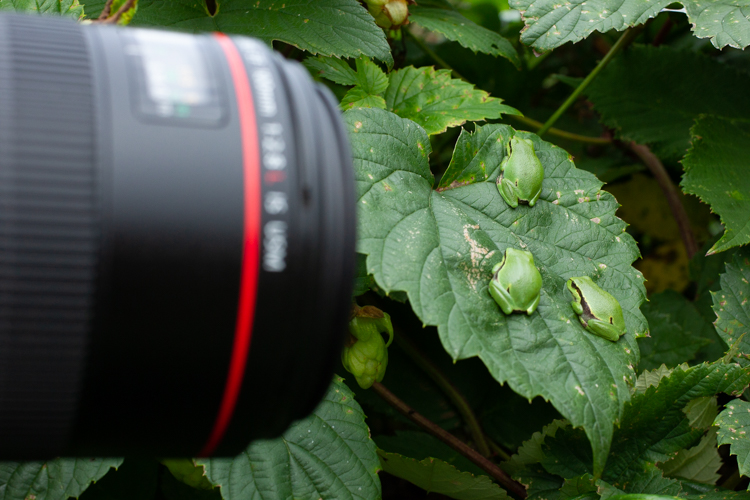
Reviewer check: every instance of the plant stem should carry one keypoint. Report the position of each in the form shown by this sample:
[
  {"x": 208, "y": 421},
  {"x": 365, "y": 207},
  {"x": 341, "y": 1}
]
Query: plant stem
[
  {"x": 732, "y": 481},
  {"x": 427, "y": 50},
  {"x": 493, "y": 470},
  {"x": 670, "y": 192},
  {"x": 449, "y": 389},
  {"x": 561, "y": 133},
  {"x": 502, "y": 452},
  {"x": 624, "y": 40}
]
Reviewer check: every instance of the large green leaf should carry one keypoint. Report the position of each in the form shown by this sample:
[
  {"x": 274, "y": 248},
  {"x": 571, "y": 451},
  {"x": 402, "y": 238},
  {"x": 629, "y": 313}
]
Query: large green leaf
[
  {"x": 54, "y": 480},
  {"x": 456, "y": 27},
  {"x": 716, "y": 171},
  {"x": 328, "y": 455},
  {"x": 550, "y": 23},
  {"x": 731, "y": 305},
  {"x": 70, "y": 8},
  {"x": 734, "y": 424},
  {"x": 654, "y": 426},
  {"x": 436, "y": 101},
  {"x": 642, "y": 94},
  {"x": 436, "y": 476},
  {"x": 327, "y": 27},
  {"x": 678, "y": 331},
  {"x": 440, "y": 247}
]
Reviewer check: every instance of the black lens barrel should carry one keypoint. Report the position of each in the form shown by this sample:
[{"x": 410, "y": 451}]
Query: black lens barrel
[{"x": 126, "y": 176}]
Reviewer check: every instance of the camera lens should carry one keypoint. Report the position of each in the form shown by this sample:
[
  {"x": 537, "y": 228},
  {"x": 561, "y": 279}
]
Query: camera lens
[{"x": 176, "y": 241}]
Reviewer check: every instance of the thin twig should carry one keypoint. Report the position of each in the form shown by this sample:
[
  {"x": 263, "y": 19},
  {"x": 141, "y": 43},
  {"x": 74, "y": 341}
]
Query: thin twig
[
  {"x": 561, "y": 133},
  {"x": 448, "y": 389},
  {"x": 732, "y": 481},
  {"x": 114, "y": 18},
  {"x": 106, "y": 10},
  {"x": 493, "y": 470},
  {"x": 670, "y": 192},
  {"x": 427, "y": 50},
  {"x": 623, "y": 41},
  {"x": 502, "y": 452}
]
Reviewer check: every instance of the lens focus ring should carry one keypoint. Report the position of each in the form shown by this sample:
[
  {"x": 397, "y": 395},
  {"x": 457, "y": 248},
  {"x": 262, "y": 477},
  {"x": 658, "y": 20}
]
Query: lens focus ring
[{"x": 48, "y": 229}]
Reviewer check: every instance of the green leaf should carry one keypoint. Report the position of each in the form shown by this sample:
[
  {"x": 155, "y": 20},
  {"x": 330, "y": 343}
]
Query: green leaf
[
  {"x": 54, "y": 480},
  {"x": 357, "y": 97},
  {"x": 734, "y": 423},
  {"x": 435, "y": 101},
  {"x": 370, "y": 77},
  {"x": 440, "y": 248},
  {"x": 700, "y": 463},
  {"x": 186, "y": 471},
  {"x": 341, "y": 28},
  {"x": 651, "y": 377},
  {"x": 641, "y": 94},
  {"x": 550, "y": 23},
  {"x": 654, "y": 426},
  {"x": 701, "y": 412},
  {"x": 371, "y": 82},
  {"x": 649, "y": 480},
  {"x": 420, "y": 445},
  {"x": 68, "y": 8},
  {"x": 456, "y": 27},
  {"x": 435, "y": 476},
  {"x": 332, "y": 68},
  {"x": 731, "y": 305},
  {"x": 172, "y": 489},
  {"x": 716, "y": 171},
  {"x": 328, "y": 455},
  {"x": 475, "y": 157},
  {"x": 677, "y": 329}
]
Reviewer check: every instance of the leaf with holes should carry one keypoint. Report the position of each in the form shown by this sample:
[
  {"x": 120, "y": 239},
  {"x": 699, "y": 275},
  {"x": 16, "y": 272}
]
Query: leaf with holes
[
  {"x": 57, "y": 479},
  {"x": 340, "y": 28},
  {"x": 328, "y": 455},
  {"x": 440, "y": 246},
  {"x": 655, "y": 425},
  {"x": 734, "y": 424},
  {"x": 732, "y": 305},
  {"x": 551, "y": 23},
  {"x": 436, "y": 101},
  {"x": 456, "y": 27},
  {"x": 716, "y": 171}
]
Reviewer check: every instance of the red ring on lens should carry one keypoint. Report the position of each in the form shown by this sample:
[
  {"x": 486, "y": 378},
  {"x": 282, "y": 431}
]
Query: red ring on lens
[{"x": 251, "y": 243}]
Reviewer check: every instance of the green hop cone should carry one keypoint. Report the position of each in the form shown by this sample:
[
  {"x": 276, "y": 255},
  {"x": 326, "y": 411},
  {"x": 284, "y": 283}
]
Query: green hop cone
[
  {"x": 389, "y": 14},
  {"x": 185, "y": 471},
  {"x": 366, "y": 354}
]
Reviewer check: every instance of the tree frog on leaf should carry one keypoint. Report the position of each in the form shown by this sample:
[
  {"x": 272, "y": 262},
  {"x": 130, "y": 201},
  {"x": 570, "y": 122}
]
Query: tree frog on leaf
[
  {"x": 599, "y": 312},
  {"x": 521, "y": 175},
  {"x": 516, "y": 282}
]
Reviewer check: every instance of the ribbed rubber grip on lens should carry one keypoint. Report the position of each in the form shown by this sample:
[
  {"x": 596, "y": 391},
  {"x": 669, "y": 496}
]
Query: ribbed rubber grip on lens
[{"x": 48, "y": 228}]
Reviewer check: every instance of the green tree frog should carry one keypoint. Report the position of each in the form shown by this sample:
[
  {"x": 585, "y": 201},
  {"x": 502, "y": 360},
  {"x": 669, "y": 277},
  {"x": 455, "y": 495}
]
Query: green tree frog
[
  {"x": 516, "y": 282},
  {"x": 599, "y": 312},
  {"x": 521, "y": 175}
]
